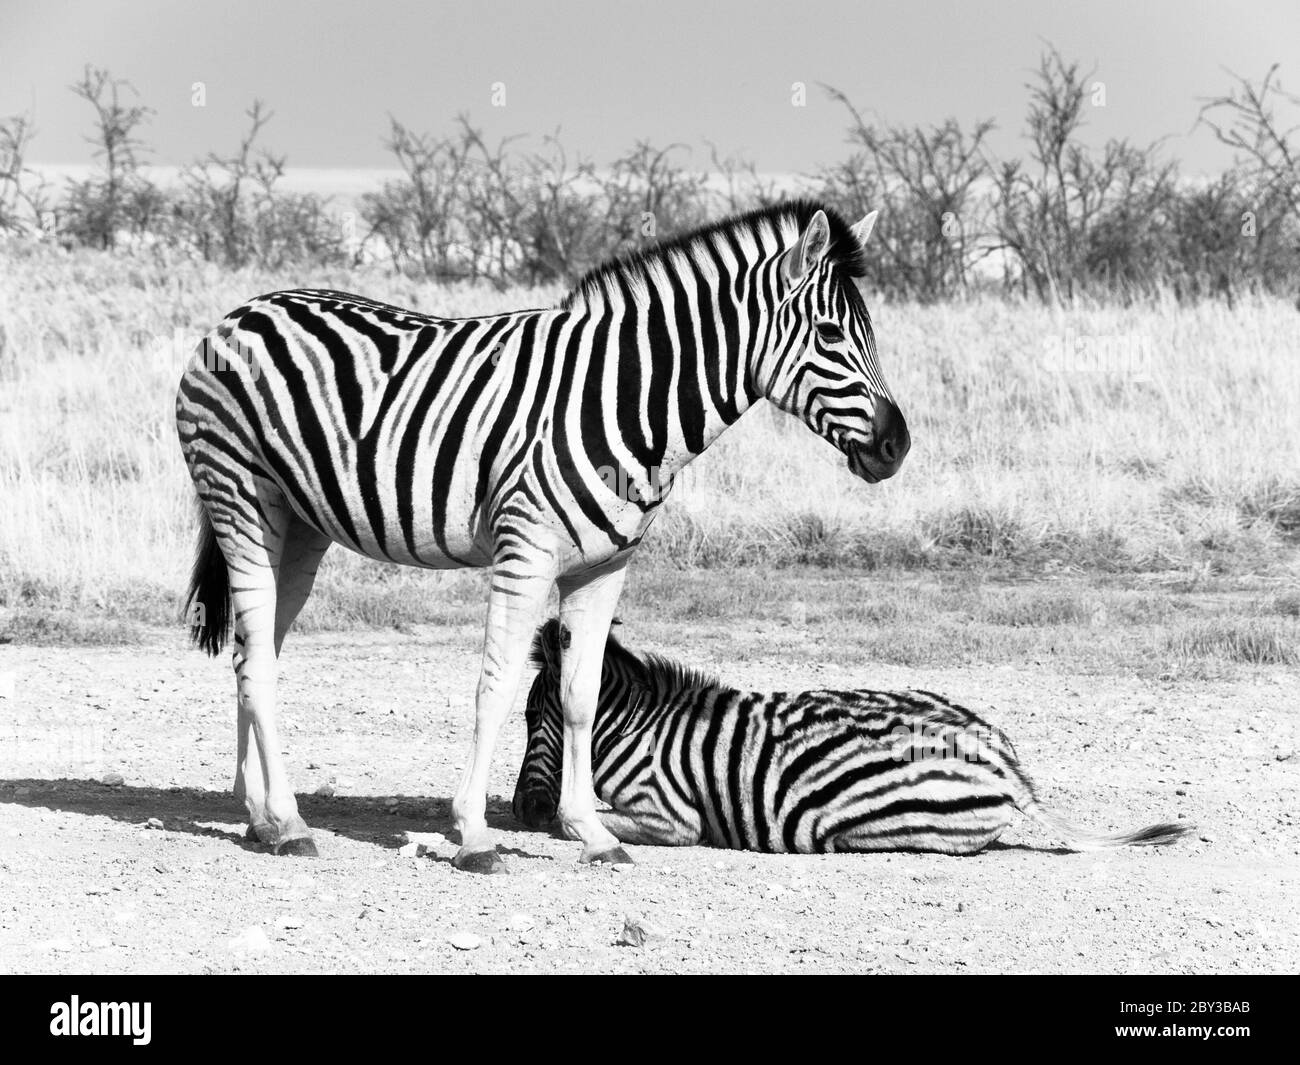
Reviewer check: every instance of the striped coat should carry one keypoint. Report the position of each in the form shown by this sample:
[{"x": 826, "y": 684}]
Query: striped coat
[{"x": 538, "y": 443}]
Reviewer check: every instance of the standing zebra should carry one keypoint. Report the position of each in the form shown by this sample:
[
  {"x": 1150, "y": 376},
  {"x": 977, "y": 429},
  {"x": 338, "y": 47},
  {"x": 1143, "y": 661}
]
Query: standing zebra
[
  {"x": 537, "y": 443},
  {"x": 685, "y": 760}
]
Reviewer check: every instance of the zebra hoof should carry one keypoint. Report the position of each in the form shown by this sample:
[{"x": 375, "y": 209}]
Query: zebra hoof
[
  {"x": 612, "y": 856},
  {"x": 487, "y": 862},
  {"x": 265, "y": 836},
  {"x": 301, "y": 847}
]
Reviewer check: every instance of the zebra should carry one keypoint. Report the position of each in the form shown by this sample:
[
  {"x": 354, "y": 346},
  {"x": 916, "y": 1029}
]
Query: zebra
[
  {"x": 683, "y": 760},
  {"x": 537, "y": 443}
]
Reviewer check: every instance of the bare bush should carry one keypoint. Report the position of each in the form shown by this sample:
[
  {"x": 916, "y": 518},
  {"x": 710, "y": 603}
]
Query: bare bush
[
  {"x": 232, "y": 211},
  {"x": 120, "y": 203},
  {"x": 1067, "y": 219},
  {"x": 926, "y": 182},
  {"x": 1073, "y": 220},
  {"x": 26, "y": 202},
  {"x": 469, "y": 210},
  {"x": 1265, "y": 182}
]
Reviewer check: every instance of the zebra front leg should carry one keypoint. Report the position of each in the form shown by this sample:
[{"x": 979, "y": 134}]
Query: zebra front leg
[
  {"x": 515, "y": 606},
  {"x": 587, "y": 605},
  {"x": 649, "y": 829}
]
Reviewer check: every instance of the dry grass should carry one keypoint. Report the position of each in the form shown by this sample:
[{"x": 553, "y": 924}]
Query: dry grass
[
  {"x": 1191, "y": 467},
  {"x": 1257, "y": 641}
]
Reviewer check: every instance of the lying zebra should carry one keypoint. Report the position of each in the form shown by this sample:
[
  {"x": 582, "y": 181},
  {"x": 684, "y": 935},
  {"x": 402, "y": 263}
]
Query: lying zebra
[{"x": 684, "y": 760}]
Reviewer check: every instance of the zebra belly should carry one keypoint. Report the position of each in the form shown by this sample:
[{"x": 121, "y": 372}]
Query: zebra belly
[
  {"x": 947, "y": 807},
  {"x": 379, "y": 497}
]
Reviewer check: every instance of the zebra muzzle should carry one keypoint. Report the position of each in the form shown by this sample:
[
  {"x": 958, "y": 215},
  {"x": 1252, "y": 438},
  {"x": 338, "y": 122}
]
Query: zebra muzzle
[
  {"x": 889, "y": 446},
  {"x": 535, "y": 809}
]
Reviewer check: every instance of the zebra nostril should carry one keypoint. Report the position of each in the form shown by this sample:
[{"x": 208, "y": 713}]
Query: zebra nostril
[{"x": 892, "y": 440}]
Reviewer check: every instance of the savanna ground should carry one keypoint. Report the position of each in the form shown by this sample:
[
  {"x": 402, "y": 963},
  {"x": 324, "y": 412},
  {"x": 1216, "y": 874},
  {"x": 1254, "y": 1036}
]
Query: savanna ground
[{"x": 1101, "y": 553}]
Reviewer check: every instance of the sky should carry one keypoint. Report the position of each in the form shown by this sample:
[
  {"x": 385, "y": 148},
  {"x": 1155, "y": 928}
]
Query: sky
[{"x": 608, "y": 73}]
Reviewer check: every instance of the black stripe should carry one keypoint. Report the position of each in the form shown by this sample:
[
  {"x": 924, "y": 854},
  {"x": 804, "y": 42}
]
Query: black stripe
[{"x": 314, "y": 438}]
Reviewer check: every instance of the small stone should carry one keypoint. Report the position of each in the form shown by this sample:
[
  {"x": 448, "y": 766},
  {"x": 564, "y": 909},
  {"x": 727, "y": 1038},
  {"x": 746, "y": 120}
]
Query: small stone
[
  {"x": 591, "y": 907},
  {"x": 412, "y": 850},
  {"x": 521, "y": 922},
  {"x": 288, "y": 921},
  {"x": 54, "y": 945},
  {"x": 390, "y": 801},
  {"x": 22, "y": 792},
  {"x": 634, "y": 933},
  {"x": 465, "y": 941},
  {"x": 325, "y": 791},
  {"x": 429, "y": 839},
  {"x": 251, "y": 940},
  {"x": 113, "y": 780},
  {"x": 153, "y": 822}
]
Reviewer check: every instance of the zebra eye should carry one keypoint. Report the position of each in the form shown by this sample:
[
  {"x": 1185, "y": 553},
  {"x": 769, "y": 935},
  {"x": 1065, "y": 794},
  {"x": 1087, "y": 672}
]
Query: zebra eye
[{"x": 830, "y": 332}]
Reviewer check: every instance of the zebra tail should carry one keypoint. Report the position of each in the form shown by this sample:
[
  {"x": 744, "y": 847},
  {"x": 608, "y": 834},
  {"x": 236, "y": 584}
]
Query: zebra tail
[
  {"x": 207, "y": 605},
  {"x": 1082, "y": 840}
]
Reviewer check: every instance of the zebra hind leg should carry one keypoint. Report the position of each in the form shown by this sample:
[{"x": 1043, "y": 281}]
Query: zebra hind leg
[
  {"x": 303, "y": 548},
  {"x": 254, "y": 554}
]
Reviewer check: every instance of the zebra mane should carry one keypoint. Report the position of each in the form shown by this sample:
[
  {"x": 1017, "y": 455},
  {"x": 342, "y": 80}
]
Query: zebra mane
[
  {"x": 845, "y": 253},
  {"x": 662, "y": 676}
]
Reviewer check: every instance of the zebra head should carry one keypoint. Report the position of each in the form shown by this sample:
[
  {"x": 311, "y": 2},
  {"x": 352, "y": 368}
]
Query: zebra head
[
  {"x": 822, "y": 364},
  {"x": 537, "y": 791}
]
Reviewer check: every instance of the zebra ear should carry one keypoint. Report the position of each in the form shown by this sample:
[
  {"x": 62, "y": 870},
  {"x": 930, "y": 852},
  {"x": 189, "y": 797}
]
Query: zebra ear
[
  {"x": 862, "y": 230},
  {"x": 809, "y": 250}
]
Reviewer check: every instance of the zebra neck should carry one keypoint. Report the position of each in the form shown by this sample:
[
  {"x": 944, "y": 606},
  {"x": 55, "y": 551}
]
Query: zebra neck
[
  {"x": 683, "y": 350},
  {"x": 620, "y": 709}
]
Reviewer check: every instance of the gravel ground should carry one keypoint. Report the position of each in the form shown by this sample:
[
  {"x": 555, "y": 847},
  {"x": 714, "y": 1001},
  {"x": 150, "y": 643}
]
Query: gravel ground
[{"x": 152, "y": 874}]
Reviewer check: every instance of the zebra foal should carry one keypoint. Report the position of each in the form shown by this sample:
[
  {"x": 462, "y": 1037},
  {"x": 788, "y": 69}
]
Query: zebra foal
[{"x": 684, "y": 760}]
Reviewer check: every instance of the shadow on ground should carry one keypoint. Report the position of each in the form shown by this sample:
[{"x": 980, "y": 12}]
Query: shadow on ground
[{"x": 371, "y": 819}]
